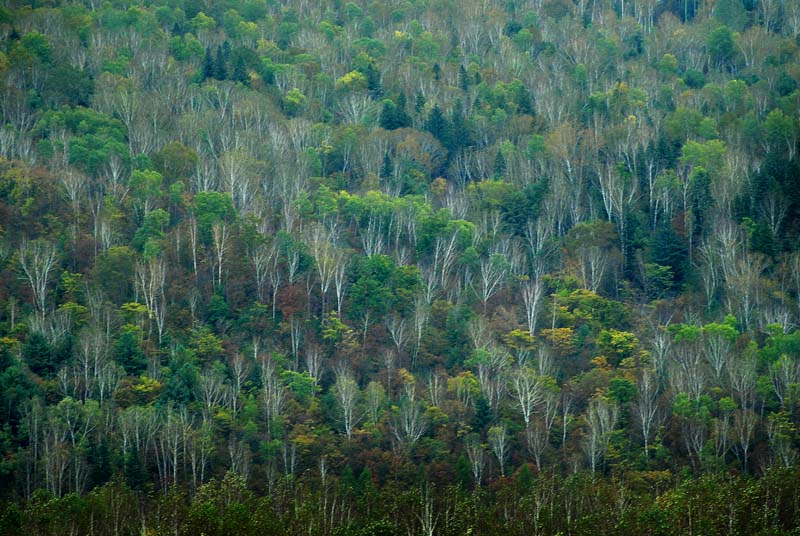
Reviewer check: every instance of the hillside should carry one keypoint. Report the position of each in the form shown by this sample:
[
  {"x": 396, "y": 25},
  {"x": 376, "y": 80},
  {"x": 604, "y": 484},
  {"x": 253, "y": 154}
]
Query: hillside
[{"x": 402, "y": 267}]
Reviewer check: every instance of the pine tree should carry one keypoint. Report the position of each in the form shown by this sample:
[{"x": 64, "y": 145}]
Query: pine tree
[
  {"x": 240, "y": 71},
  {"x": 437, "y": 125},
  {"x": 387, "y": 169},
  {"x": 208, "y": 65},
  {"x": 401, "y": 117},
  {"x": 38, "y": 355},
  {"x": 669, "y": 249},
  {"x": 220, "y": 71},
  {"x": 700, "y": 198},
  {"x": 419, "y": 103},
  {"x": 524, "y": 101},
  {"x": 483, "y": 414},
  {"x": 128, "y": 353},
  {"x": 463, "y": 78},
  {"x": 459, "y": 129},
  {"x": 388, "y": 115},
  {"x": 135, "y": 474},
  {"x": 373, "y": 80},
  {"x": 499, "y": 165},
  {"x": 463, "y": 472}
]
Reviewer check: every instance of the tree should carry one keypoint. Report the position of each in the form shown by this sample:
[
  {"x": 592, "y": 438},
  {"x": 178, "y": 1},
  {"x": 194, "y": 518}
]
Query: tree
[
  {"x": 128, "y": 353},
  {"x": 220, "y": 235},
  {"x": 532, "y": 294},
  {"x": 498, "y": 439},
  {"x": 146, "y": 189},
  {"x": 38, "y": 355},
  {"x": 348, "y": 397},
  {"x": 784, "y": 373},
  {"x": 273, "y": 392},
  {"x": 264, "y": 259},
  {"x": 220, "y": 69},
  {"x": 591, "y": 247},
  {"x": 38, "y": 259},
  {"x": 330, "y": 260},
  {"x": 409, "y": 423},
  {"x": 208, "y": 65},
  {"x": 722, "y": 48},
  {"x": 601, "y": 418},
  {"x": 646, "y": 410},
  {"x": 719, "y": 339},
  {"x": 492, "y": 274},
  {"x": 477, "y": 457},
  {"x": 151, "y": 281},
  {"x": 618, "y": 191},
  {"x": 527, "y": 389},
  {"x": 437, "y": 125}
]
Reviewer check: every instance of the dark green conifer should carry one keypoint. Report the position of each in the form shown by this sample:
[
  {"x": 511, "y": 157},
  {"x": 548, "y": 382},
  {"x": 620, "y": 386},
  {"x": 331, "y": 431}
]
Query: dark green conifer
[{"x": 220, "y": 71}]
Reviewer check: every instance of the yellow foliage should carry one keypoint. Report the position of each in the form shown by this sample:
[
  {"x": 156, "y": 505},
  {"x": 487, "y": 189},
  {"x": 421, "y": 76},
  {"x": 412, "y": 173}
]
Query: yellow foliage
[
  {"x": 561, "y": 339},
  {"x": 406, "y": 377},
  {"x": 352, "y": 80}
]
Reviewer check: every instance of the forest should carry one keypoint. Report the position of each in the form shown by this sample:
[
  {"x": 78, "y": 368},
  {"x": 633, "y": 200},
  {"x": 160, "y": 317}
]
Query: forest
[{"x": 399, "y": 267}]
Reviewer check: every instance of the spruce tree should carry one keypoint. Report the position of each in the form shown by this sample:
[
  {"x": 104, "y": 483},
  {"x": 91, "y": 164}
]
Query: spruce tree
[
  {"x": 499, "y": 165},
  {"x": 463, "y": 79},
  {"x": 240, "y": 71},
  {"x": 460, "y": 135},
  {"x": 38, "y": 354},
  {"x": 220, "y": 72},
  {"x": 208, "y": 65},
  {"x": 388, "y": 117},
  {"x": 387, "y": 169},
  {"x": 401, "y": 117},
  {"x": 437, "y": 126}
]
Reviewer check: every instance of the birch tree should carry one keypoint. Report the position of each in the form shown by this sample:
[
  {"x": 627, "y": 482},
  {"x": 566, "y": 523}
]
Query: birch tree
[
  {"x": 38, "y": 259},
  {"x": 347, "y": 396}
]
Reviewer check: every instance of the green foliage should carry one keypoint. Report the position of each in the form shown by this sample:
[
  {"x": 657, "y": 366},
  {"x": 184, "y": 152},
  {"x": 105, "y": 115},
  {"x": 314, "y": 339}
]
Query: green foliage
[
  {"x": 96, "y": 137},
  {"x": 294, "y": 102},
  {"x": 216, "y": 176},
  {"x": 38, "y": 355},
  {"x": 721, "y": 46},
  {"x": 210, "y": 208},
  {"x": 128, "y": 353},
  {"x": 622, "y": 390},
  {"x": 617, "y": 346}
]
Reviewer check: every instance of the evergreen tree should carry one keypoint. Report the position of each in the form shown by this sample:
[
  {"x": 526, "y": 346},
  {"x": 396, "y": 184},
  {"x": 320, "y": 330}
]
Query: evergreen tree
[
  {"x": 208, "y": 65},
  {"x": 700, "y": 198},
  {"x": 38, "y": 355},
  {"x": 240, "y": 73},
  {"x": 523, "y": 100},
  {"x": 373, "y": 79},
  {"x": 128, "y": 353},
  {"x": 483, "y": 414},
  {"x": 762, "y": 240},
  {"x": 401, "y": 118},
  {"x": 387, "y": 169},
  {"x": 463, "y": 472},
  {"x": 459, "y": 129},
  {"x": 463, "y": 78},
  {"x": 136, "y": 476},
  {"x": 499, "y": 165},
  {"x": 220, "y": 71},
  {"x": 419, "y": 103},
  {"x": 388, "y": 117},
  {"x": 437, "y": 126},
  {"x": 669, "y": 249}
]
